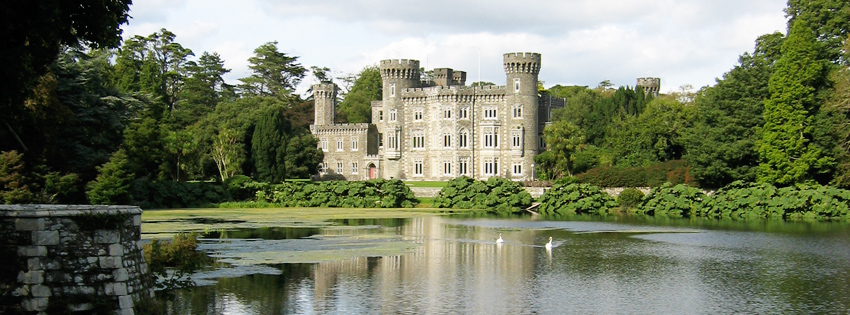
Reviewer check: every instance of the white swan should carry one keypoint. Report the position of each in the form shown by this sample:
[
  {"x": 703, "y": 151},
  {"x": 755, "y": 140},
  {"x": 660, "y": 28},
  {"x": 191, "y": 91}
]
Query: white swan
[
  {"x": 549, "y": 245},
  {"x": 499, "y": 241}
]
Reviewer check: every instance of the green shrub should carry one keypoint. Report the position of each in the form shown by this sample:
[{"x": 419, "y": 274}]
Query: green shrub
[
  {"x": 656, "y": 174},
  {"x": 630, "y": 198},
  {"x": 676, "y": 201},
  {"x": 179, "y": 254},
  {"x": 497, "y": 194},
  {"x": 376, "y": 193},
  {"x": 740, "y": 200},
  {"x": 167, "y": 194},
  {"x": 238, "y": 187},
  {"x": 571, "y": 198}
]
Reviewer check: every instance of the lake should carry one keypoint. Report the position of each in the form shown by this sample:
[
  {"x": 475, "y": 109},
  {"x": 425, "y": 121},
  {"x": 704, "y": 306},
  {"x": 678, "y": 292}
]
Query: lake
[{"x": 452, "y": 265}]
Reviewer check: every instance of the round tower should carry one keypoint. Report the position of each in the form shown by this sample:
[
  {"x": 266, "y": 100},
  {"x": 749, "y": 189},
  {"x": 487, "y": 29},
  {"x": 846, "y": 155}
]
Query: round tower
[
  {"x": 651, "y": 86},
  {"x": 397, "y": 75},
  {"x": 324, "y": 97},
  {"x": 520, "y": 114}
]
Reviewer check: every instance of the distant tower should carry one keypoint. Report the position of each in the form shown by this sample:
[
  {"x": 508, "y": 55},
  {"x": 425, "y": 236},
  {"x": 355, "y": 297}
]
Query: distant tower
[
  {"x": 324, "y": 96},
  {"x": 398, "y": 75},
  {"x": 521, "y": 101},
  {"x": 650, "y": 85}
]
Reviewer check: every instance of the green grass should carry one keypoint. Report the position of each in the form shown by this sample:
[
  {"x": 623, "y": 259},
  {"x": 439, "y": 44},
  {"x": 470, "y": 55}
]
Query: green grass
[
  {"x": 426, "y": 184},
  {"x": 425, "y": 202}
]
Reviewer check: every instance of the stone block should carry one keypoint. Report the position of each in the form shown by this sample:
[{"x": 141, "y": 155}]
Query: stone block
[
  {"x": 125, "y": 302},
  {"x": 116, "y": 250},
  {"x": 111, "y": 262},
  {"x": 34, "y": 264},
  {"x": 29, "y": 224},
  {"x": 40, "y": 291},
  {"x": 35, "y": 304},
  {"x": 120, "y": 274},
  {"x": 119, "y": 288},
  {"x": 46, "y": 237},
  {"x": 32, "y": 251},
  {"x": 80, "y": 307},
  {"x": 106, "y": 236},
  {"x": 31, "y": 277},
  {"x": 21, "y": 291},
  {"x": 137, "y": 220},
  {"x": 126, "y": 311}
]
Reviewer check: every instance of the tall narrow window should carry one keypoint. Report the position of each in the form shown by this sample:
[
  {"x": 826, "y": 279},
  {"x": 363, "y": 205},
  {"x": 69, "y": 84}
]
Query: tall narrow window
[
  {"x": 517, "y": 168},
  {"x": 491, "y": 137},
  {"x": 462, "y": 138},
  {"x": 393, "y": 115},
  {"x": 353, "y": 167},
  {"x": 516, "y": 85},
  {"x": 516, "y": 139},
  {"x": 339, "y": 144},
  {"x": 491, "y": 166},
  {"x": 418, "y": 139},
  {"x": 339, "y": 167},
  {"x": 447, "y": 167},
  {"x": 463, "y": 113},
  {"x": 417, "y": 115},
  {"x": 517, "y": 111},
  {"x": 417, "y": 168},
  {"x": 391, "y": 142},
  {"x": 380, "y": 115},
  {"x": 490, "y": 112},
  {"x": 447, "y": 140},
  {"x": 447, "y": 113},
  {"x": 392, "y": 89},
  {"x": 325, "y": 144},
  {"x": 463, "y": 166},
  {"x": 353, "y": 144}
]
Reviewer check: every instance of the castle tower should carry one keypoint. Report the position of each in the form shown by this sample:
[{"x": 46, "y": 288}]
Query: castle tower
[
  {"x": 396, "y": 76},
  {"x": 324, "y": 96},
  {"x": 520, "y": 116},
  {"x": 651, "y": 86}
]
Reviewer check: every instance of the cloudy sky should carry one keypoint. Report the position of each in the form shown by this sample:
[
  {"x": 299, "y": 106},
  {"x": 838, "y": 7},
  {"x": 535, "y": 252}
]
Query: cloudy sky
[{"x": 582, "y": 42}]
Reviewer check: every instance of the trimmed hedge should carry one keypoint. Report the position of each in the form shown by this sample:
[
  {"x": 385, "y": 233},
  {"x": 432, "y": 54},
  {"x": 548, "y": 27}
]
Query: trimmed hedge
[
  {"x": 168, "y": 194},
  {"x": 497, "y": 194},
  {"x": 376, "y": 193},
  {"x": 630, "y": 198},
  {"x": 570, "y": 198}
]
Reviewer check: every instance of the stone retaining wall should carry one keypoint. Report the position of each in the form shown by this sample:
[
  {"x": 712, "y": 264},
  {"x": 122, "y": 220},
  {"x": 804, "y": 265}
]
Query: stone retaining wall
[{"x": 60, "y": 259}]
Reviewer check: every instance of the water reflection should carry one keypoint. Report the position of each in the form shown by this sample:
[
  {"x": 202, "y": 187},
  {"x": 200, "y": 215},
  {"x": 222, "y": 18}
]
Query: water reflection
[{"x": 593, "y": 267}]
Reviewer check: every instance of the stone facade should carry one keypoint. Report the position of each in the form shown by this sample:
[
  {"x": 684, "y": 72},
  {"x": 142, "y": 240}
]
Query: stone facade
[
  {"x": 442, "y": 129},
  {"x": 71, "y": 259},
  {"x": 651, "y": 86}
]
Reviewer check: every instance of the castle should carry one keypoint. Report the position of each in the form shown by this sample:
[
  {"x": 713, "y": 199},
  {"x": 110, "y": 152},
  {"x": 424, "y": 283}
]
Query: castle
[{"x": 439, "y": 130}]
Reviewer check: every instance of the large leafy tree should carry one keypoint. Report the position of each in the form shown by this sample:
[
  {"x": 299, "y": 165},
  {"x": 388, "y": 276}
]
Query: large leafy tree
[
  {"x": 32, "y": 36},
  {"x": 828, "y": 19},
  {"x": 720, "y": 144},
  {"x": 356, "y": 107},
  {"x": 204, "y": 87},
  {"x": 269, "y": 145},
  {"x": 562, "y": 139},
  {"x": 786, "y": 149},
  {"x": 273, "y": 73},
  {"x": 653, "y": 136}
]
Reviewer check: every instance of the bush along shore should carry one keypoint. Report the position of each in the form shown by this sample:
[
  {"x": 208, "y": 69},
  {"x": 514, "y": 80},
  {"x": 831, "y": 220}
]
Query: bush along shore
[
  {"x": 738, "y": 200},
  {"x": 497, "y": 194}
]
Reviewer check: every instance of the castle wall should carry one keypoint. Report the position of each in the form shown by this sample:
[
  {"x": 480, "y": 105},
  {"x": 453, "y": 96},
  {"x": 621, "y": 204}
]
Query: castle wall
[
  {"x": 71, "y": 259},
  {"x": 346, "y": 147}
]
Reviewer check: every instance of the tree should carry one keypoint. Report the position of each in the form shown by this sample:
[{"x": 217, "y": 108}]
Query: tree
[
  {"x": 839, "y": 104},
  {"x": 787, "y": 153},
  {"x": 112, "y": 185},
  {"x": 720, "y": 144},
  {"x": 274, "y": 73},
  {"x": 228, "y": 152},
  {"x": 12, "y": 186},
  {"x": 269, "y": 147},
  {"x": 653, "y": 136},
  {"x": 828, "y": 19},
  {"x": 203, "y": 89},
  {"x": 356, "y": 107},
  {"x": 563, "y": 139},
  {"x": 32, "y": 36}
]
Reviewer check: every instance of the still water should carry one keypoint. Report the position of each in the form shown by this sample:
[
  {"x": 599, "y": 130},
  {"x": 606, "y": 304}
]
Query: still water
[{"x": 445, "y": 265}]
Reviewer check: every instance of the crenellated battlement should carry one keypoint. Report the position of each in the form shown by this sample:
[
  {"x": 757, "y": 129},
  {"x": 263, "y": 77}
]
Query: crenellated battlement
[
  {"x": 522, "y": 63},
  {"x": 324, "y": 91},
  {"x": 650, "y": 85},
  {"x": 400, "y": 69}
]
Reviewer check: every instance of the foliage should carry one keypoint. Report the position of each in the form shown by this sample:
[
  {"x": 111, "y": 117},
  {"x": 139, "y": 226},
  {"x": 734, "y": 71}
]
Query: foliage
[
  {"x": 236, "y": 187},
  {"x": 268, "y": 146},
  {"x": 674, "y": 201},
  {"x": 573, "y": 198},
  {"x": 273, "y": 73},
  {"x": 651, "y": 136},
  {"x": 159, "y": 194},
  {"x": 741, "y": 200},
  {"x": 830, "y": 21},
  {"x": 496, "y": 194},
  {"x": 12, "y": 186},
  {"x": 112, "y": 185},
  {"x": 180, "y": 255},
  {"x": 652, "y": 175},
  {"x": 562, "y": 139},
  {"x": 787, "y": 153},
  {"x": 376, "y": 193},
  {"x": 356, "y": 107},
  {"x": 630, "y": 198}
]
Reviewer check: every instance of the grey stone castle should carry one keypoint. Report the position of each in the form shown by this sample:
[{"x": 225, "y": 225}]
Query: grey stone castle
[{"x": 439, "y": 130}]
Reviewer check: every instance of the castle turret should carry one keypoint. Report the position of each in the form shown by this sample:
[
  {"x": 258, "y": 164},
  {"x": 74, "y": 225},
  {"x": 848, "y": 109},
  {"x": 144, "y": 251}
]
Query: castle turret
[
  {"x": 398, "y": 75},
  {"x": 521, "y": 102},
  {"x": 324, "y": 96},
  {"x": 651, "y": 86}
]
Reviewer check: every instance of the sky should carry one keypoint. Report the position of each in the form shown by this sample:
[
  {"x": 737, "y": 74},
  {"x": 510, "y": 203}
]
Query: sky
[{"x": 582, "y": 42}]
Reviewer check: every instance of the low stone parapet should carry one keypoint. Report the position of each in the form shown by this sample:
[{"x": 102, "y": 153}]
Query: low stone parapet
[{"x": 61, "y": 259}]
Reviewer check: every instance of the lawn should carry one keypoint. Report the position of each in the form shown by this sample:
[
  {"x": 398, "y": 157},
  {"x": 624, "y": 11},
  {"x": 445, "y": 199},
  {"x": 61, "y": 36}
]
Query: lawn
[{"x": 426, "y": 184}]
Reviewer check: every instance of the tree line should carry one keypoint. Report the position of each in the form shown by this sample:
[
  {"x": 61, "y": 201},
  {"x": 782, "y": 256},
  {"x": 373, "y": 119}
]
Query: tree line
[{"x": 779, "y": 116}]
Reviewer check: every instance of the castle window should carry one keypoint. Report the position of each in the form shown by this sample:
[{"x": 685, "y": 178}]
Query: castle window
[
  {"x": 463, "y": 113},
  {"x": 517, "y": 111},
  {"x": 353, "y": 144},
  {"x": 339, "y": 167},
  {"x": 417, "y": 168},
  {"x": 392, "y": 142},
  {"x": 491, "y": 137},
  {"x": 517, "y": 168},
  {"x": 516, "y": 85},
  {"x": 380, "y": 140},
  {"x": 516, "y": 139},
  {"x": 490, "y": 112},
  {"x": 418, "y": 139},
  {"x": 392, "y": 90},
  {"x": 339, "y": 144},
  {"x": 353, "y": 167},
  {"x": 325, "y": 144},
  {"x": 542, "y": 143},
  {"x": 447, "y": 140},
  {"x": 380, "y": 115},
  {"x": 417, "y": 115},
  {"x": 447, "y": 113},
  {"x": 393, "y": 115},
  {"x": 447, "y": 167},
  {"x": 491, "y": 166},
  {"x": 463, "y": 166},
  {"x": 462, "y": 138},
  {"x": 323, "y": 167}
]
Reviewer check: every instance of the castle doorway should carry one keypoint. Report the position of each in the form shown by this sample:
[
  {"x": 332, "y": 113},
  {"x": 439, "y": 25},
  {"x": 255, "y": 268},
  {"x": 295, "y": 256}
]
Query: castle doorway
[{"x": 373, "y": 171}]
